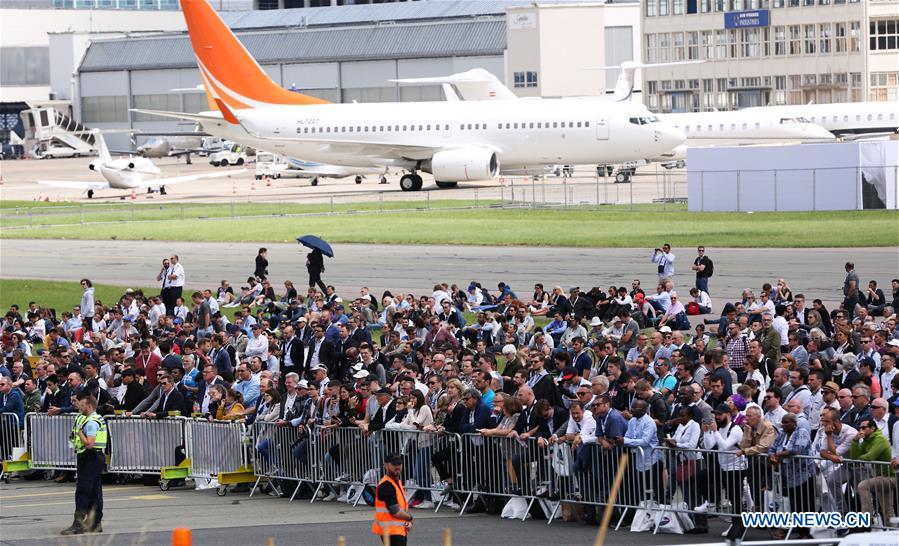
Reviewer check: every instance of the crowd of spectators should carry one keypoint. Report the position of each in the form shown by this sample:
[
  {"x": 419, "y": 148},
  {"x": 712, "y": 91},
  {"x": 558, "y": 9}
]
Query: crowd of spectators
[{"x": 773, "y": 376}]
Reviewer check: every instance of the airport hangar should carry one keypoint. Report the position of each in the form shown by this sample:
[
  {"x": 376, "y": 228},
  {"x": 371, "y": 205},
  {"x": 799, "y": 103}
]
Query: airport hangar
[{"x": 349, "y": 53}]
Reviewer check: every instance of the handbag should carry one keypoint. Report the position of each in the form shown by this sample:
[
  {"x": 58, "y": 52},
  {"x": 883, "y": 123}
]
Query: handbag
[{"x": 684, "y": 470}]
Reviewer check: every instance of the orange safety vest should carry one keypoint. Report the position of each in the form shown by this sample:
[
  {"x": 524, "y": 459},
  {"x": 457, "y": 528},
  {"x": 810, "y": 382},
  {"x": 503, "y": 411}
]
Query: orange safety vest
[{"x": 385, "y": 522}]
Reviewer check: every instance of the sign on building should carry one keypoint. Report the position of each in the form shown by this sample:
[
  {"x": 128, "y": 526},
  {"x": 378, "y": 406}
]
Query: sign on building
[{"x": 744, "y": 19}]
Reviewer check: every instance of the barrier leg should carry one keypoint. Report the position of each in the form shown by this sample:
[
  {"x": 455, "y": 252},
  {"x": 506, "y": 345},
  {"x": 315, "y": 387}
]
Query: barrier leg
[
  {"x": 295, "y": 491},
  {"x": 317, "y": 489},
  {"x": 465, "y": 504},
  {"x": 530, "y": 505},
  {"x": 621, "y": 519},
  {"x": 555, "y": 511},
  {"x": 255, "y": 485}
]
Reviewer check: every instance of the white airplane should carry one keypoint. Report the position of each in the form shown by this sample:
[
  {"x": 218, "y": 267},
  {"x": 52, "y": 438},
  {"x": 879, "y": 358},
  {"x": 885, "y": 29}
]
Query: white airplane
[
  {"x": 847, "y": 120},
  {"x": 730, "y": 128},
  {"x": 128, "y": 173},
  {"x": 277, "y": 166},
  {"x": 455, "y": 141}
]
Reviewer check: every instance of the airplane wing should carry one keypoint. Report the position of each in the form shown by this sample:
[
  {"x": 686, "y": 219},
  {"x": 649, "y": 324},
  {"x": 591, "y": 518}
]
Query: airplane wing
[
  {"x": 200, "y": 118},
  {"x": 77, "y": 185},
  {"x": 191, "y": 177}
]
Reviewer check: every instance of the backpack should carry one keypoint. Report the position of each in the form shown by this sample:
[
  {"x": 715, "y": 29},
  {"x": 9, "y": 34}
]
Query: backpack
[
  {"x": 693, "y": 308},
  {"x": 709, "y": 267}
]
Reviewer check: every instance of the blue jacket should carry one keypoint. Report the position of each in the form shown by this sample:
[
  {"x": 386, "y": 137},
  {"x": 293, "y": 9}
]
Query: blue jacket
[
  {"x": 13, "y": 403},
  {"x": 481, "y": 419}
]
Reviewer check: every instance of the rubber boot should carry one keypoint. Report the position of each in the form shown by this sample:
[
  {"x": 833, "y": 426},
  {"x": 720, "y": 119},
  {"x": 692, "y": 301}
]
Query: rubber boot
[{"x": 77, "y": 527}]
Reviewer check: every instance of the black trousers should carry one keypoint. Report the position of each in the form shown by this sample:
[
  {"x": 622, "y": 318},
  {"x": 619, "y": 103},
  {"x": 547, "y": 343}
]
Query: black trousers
[
  {"x": 395, "y": 540},
  {"x": 315, "y": 278},
  {"x": 88, "y": 489}
]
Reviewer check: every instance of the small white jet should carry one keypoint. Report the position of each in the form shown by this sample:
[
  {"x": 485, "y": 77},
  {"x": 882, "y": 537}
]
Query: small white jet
[{"x": 128, "y": 173}]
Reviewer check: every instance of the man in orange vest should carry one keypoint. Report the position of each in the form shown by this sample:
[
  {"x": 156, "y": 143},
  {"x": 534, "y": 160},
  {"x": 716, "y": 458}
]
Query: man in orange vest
[{"x": 392, "y": 517}]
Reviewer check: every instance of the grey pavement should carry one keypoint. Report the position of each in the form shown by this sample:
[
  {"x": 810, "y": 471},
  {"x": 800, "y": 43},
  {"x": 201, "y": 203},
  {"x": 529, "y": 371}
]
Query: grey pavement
[
  {"x": 416, "y": 268},
  {"x": 34, "y": 512}
]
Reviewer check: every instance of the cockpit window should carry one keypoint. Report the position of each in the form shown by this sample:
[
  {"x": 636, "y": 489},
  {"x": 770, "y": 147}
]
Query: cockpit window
[
  {"x": 643, "y": 120},
  {"x": 784, "y": 121}
]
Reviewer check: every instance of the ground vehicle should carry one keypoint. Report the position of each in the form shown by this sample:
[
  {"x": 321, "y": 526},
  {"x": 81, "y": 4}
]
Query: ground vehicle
[
  {"x": 270, "y": 165},
  {"x": 231, "y": 153}
]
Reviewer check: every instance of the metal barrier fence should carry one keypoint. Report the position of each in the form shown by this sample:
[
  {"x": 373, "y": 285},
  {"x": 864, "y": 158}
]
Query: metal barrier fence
[
  {"x": 47, "y": 438},
  {"x": 215, "y": 446},
  {"x": 144, "y": 446},
  {"x": 10, "y": 434},
  {"x": 692, "y": 484},
  {"x": 668, "y": 190}
]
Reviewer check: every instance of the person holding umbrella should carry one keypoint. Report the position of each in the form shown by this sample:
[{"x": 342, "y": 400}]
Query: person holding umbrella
[{"x": 315, "y": 263}]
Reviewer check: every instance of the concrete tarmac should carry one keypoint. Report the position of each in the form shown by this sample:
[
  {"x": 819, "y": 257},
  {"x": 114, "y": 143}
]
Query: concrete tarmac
[
  {"x": 416, "y": 268},
  {"x": 35, "y": 512}
]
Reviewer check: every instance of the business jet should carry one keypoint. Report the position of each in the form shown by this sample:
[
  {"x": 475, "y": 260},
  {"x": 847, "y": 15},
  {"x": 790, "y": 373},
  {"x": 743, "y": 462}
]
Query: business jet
[
  {"x": 455, "y": 141},
  {"x": 847, "y": 120},
  {"x": 729, "y": 128},
  {"x": 127, "y": 173}
]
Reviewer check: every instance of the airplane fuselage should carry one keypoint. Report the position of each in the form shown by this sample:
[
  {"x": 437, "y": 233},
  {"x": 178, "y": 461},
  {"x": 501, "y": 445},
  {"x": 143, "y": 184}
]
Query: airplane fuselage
[
  {"x": 849, "y": 118},
  {"x": 521, "y": 133}
]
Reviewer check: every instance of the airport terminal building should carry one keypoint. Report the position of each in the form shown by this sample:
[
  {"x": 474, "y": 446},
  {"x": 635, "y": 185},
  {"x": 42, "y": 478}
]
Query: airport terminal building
[{"x": 760, "y": 52}]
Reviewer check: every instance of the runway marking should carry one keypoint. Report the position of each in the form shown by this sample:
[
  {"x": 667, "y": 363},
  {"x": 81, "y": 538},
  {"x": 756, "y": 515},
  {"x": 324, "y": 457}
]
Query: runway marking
[
  {"x": 60, "y": 493},
  {"x": 106, "y": 498},
  {"x": 151, "y": 497}
]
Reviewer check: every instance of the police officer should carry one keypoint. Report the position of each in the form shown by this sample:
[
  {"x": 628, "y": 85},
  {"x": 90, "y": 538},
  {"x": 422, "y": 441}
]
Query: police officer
[
  {"x": 392, "y": 517},
  {"x": 89, "y": 439}
]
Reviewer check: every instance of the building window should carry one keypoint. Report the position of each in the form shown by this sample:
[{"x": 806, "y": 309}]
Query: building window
[
  {"x": 721, "y": 41},
  {"x": 884, "y": 35},
  {"x": 664, "y": 47},
  {"x": 824, "y": 35},
  {"x": 663, "y": 7},
  {"x": 524, "y": 79},
  {"x": 809, "y": 39},
  {"x": 780, "y": 40},
  {"x": 518, "y": 79},
  {"x": 650, "y": 8},
  {"x": 855, "y": 36},
  {"x": 705, "y": 6},
  {"x": 677, "y": 7},
  {"x": 650, "y": 46},
  {"x": 693, "y": 46},
  {"x": 795, "y": 40},
  {"x": 679, "y": 46},
  {"x": 884, "y": 86},
  {"x": 708, "y": 45},
  {"x": 839, "y": 41}
]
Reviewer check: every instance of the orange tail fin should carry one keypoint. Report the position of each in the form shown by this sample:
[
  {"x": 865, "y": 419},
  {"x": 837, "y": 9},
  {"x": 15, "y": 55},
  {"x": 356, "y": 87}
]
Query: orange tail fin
[{"x": 229, "y": 73}]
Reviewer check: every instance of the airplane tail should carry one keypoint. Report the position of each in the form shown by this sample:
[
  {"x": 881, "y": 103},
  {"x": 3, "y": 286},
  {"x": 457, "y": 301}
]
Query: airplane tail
[
  {"x": 624, "y": 87},
  {"x": 103, "y": 150},
  {"x": 229, "y": 72}
]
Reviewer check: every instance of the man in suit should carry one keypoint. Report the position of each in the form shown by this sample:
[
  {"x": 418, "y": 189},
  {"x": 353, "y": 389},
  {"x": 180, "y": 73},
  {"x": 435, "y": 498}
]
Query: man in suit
[
  {"x": 386, "y": 410},
  {"x": 210, "y": 378},
  {"x": 170, "y": 399},
  {"x": 55, "y": 395},
  {"x": 221, "y": 358},
  {"x": 292, "y": 357},
  {"x": 130, "y": 393},
  {"x": 314, "y": 347}
]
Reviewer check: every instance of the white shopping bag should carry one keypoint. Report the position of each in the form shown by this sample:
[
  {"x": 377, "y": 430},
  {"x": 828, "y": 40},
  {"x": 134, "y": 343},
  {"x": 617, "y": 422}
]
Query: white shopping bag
[
  {"x": 668, "y": 522},
  {"x": 561, "y": 458},
  {"x": 516, "y": 508},
  {"x": 644, "y": 519}
]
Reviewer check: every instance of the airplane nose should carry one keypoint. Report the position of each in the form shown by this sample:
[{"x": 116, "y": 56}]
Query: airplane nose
[{"x": 669, "y": 137}]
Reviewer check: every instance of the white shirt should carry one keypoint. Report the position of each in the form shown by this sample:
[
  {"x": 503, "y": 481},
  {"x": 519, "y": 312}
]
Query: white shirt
[
  {"x": 725, "y": 441},
  {"x": 687, "y": 437},
  {"x": 586, "y": 428},
  {"x": 177, "y": 270},
  {"x": 213, "y": 305},
  {"x": 896, "y": 440},
  {"x": 775, "y": 417},
  {"x": 180, "y": 312},
  {"x": 703, "y": 299},
  {"x": 886, "y": 380},
  {"x": 258, "y": 346},
  {"x": 781, "y": 325}
]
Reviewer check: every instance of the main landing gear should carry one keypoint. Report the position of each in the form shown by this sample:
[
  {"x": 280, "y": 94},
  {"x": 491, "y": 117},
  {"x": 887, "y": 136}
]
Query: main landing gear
[{"x": 410, "y": 182}]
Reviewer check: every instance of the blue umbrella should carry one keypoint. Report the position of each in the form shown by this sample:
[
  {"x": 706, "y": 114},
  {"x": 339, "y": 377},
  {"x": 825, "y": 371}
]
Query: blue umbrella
[{"x": 314, "y": 242}]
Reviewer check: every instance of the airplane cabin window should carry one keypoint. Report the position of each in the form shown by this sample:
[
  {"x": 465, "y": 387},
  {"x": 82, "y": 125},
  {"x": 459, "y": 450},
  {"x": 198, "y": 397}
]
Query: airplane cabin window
[
  {"x": 757, "y": 125},
  {"x": 555, "y": 125},
  {"x": 586, "y": 124},
  {"x": 531, "y": 125},
  {"x": 579, "y": 125},
  {"x": 733, "y": 126},
  {"x": 879, "y": 117}
]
